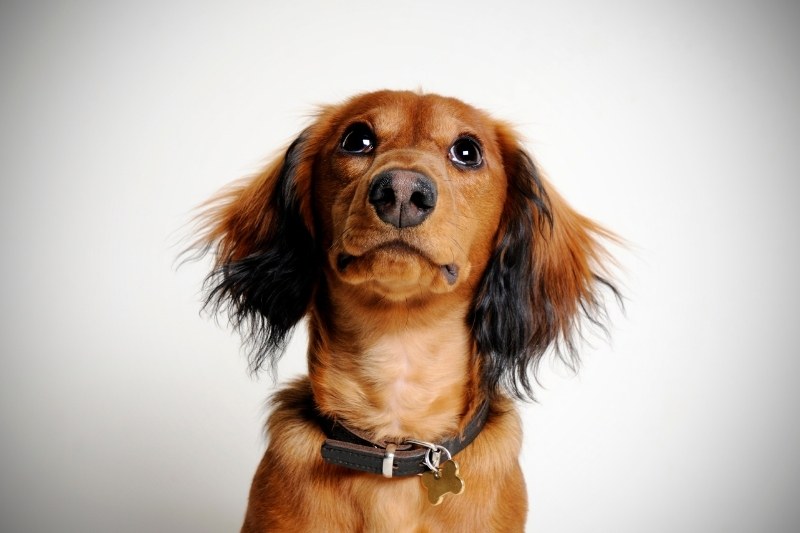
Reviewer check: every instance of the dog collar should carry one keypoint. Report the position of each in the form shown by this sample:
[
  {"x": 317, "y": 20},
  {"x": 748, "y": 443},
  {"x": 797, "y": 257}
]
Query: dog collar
[{"x": 353, "y": 449}]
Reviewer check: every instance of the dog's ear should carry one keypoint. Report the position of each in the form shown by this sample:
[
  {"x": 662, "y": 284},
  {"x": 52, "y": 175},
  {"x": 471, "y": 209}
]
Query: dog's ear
[
  {"x": 546, "y": 274},
  {"x": 266, "y": 267}
]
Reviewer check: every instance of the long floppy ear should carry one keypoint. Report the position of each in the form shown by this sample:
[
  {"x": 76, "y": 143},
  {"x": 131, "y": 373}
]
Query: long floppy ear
[
  {"x": 547, "y": 273},
  {"x": 265, "y": 267}
]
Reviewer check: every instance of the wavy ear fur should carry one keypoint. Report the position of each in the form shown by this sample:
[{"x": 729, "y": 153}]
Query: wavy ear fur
[
  {"x": 547, "y": 273},
  {"x": 266, "y": 265}
]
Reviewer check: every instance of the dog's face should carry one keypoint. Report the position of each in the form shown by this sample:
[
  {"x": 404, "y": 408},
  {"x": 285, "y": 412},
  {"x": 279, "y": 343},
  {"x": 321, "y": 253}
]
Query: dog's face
[
  {"x": 397, "y": 198},
  {"x": 407, "y": 192}
]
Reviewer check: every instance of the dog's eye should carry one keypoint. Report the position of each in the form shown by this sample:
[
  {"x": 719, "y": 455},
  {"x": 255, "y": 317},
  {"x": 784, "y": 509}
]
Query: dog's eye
[
  {"x": 466, "y": 152},
  {"x": 358, "y": 139}
]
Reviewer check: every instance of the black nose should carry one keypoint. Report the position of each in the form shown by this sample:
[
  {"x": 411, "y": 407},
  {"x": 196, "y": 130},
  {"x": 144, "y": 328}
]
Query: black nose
[{"x": 402, "y": 198}]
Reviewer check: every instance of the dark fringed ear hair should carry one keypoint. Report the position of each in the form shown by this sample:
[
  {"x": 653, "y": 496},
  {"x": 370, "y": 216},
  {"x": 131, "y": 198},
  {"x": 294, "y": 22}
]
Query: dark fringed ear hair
[
  {"x": 265, "y": 262},
  {"x": 546, "y": 274}
]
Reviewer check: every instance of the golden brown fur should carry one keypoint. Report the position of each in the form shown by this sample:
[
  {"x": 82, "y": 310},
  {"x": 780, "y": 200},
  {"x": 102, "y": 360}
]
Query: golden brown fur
[{"x": 396, "y": 348}]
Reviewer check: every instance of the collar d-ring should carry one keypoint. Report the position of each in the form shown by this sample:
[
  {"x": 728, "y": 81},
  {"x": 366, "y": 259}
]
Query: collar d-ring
[{"x": 433, "y": 457}]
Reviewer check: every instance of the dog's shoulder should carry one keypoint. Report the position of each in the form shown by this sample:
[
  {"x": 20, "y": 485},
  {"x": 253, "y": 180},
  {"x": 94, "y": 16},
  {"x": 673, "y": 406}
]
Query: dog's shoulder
[{"x": 293, "y": 422}]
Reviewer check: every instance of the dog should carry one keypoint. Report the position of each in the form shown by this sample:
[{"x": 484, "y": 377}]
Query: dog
[{"x": 435, "y": 266}]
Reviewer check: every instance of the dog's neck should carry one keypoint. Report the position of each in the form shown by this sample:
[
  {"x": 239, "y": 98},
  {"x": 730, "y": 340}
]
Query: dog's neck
[{"x": 393, "y": 371}]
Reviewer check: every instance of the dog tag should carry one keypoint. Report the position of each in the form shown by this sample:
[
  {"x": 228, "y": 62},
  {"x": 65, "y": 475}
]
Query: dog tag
[{"x": 438, "y": 483}]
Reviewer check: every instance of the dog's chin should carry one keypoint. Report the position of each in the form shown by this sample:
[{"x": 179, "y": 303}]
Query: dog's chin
[{"x": 398, "y": 271}]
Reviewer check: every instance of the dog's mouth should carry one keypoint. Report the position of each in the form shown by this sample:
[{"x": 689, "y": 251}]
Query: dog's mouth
[{"x": 449, "y": 271}]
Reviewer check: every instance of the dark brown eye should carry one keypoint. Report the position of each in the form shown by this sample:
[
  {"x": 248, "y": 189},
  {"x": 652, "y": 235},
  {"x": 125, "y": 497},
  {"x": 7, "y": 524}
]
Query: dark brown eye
[
  {"x": 466, "y": 152},
  {"x": 358, "y": 139}
]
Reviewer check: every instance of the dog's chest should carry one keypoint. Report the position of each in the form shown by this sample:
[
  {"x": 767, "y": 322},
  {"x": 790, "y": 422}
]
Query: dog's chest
[{"x": 417, "y": 382}]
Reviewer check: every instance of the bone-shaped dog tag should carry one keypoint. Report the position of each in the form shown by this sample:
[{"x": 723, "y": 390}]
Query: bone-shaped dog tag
[{"x": 443, "y": 481}]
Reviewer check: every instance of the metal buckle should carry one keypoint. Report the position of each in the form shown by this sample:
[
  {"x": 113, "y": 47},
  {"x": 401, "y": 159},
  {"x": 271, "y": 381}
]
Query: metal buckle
[{"x": 388, "y": 460}]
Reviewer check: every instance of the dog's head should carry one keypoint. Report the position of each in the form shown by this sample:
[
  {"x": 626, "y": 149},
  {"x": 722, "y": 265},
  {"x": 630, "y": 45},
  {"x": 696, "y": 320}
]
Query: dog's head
[{"x": 400, "y": 199}]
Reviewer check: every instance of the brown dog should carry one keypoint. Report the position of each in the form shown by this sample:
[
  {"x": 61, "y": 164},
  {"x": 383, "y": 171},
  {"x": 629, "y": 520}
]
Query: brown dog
[{"x": 435, "y": 266}]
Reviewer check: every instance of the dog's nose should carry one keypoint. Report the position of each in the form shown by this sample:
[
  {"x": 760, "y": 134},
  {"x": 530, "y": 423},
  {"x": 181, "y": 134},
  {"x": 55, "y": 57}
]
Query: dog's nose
[{"x": 402, "y": 198}]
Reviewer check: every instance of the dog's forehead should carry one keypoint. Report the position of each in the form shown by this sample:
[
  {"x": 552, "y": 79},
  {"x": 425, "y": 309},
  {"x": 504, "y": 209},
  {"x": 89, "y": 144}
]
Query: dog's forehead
[{"x": 420, "y": 115}]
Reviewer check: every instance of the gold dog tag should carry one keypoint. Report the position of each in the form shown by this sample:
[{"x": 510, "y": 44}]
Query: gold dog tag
[{"x": 442, "y": 481}]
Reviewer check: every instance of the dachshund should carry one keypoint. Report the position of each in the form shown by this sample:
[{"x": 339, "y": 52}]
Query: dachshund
[{"x": 435, "y": 265}]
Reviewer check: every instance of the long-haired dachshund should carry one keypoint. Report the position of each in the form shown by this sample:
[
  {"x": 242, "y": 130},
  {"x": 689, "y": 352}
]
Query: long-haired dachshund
[{"x": 435, "y": 266}]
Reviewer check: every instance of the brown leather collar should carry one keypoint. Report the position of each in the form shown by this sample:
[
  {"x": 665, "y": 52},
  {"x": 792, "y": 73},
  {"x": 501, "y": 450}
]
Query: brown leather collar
[{"x": 353, "y": 449}]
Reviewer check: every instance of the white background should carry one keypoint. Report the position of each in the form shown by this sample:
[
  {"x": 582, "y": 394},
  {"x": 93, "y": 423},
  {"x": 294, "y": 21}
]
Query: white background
[{"x": 676, "y": 124}]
